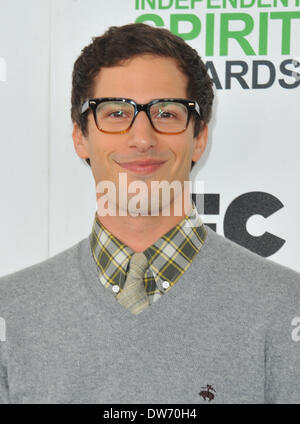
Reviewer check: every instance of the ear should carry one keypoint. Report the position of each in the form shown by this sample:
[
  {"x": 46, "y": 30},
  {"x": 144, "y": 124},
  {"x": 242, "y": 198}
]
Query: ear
[
  {"x": 80, "y": 142},
  {"x": 200, "y": 142}
]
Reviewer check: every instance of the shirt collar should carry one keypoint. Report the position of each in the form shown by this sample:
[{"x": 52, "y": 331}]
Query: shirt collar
[{"x": 169, "y": 257}]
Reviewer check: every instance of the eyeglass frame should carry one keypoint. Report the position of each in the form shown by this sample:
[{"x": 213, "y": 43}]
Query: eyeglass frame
[{"x": 191, "y": 106}]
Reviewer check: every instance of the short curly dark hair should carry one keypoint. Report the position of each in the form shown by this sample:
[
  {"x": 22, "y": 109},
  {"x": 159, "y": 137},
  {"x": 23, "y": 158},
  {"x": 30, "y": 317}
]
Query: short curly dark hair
[{"x": 120, "y": 43}]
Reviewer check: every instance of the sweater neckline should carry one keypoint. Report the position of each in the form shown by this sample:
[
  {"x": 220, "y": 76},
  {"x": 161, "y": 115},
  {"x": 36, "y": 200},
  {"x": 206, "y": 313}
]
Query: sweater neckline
[{"x": 104, "y": 300}]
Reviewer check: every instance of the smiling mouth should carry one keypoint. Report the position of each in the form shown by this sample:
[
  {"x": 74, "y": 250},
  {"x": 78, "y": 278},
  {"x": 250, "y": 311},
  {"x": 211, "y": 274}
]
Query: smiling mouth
[{"x": 146, "y": 167}]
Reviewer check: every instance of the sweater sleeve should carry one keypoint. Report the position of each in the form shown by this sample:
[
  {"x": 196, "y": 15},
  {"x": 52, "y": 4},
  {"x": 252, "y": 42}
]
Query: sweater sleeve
[{"x": 282, "y": 352}]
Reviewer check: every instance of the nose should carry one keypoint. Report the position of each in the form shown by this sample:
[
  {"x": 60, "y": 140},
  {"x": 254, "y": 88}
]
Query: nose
[{"x": 142, "y": 135}]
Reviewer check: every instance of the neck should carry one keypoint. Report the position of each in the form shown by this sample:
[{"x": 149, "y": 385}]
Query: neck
[{"x": 140, "y": 232}]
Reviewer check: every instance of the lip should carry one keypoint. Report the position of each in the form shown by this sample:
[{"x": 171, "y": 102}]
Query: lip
[{"x": 142, "y": 167}]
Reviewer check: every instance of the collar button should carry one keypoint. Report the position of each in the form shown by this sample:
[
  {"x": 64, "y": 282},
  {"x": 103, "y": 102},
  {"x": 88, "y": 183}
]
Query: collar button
[
  {"x": 165, "y": 284},
  {"x": 115, "y": 289}
]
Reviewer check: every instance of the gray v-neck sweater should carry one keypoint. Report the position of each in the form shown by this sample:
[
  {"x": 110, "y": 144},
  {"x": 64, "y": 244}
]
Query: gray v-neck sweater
[{"x": 230, "y": 322}]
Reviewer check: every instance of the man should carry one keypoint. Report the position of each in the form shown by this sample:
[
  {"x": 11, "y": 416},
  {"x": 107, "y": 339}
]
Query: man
[{"x": 152, "y": 307}]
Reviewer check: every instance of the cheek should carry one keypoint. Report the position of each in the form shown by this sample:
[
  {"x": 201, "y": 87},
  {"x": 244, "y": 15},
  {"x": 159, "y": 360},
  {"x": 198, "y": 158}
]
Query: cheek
[
  {"x": 99, "y": 146},
  {"x": 184, "y": 149}
]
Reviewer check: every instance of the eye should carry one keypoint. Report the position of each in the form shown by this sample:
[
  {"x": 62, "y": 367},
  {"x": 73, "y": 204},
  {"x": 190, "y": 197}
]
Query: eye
[
  {"x": 168, "y": 111},
  {"x": 117, "y": 114},
  {"x": 114, "y": 111},
  {"x": 165, "y": 114}
]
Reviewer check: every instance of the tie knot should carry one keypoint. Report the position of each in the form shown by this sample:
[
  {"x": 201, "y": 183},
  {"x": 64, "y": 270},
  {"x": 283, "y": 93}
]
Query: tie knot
[{"x": 138, "y": 264}]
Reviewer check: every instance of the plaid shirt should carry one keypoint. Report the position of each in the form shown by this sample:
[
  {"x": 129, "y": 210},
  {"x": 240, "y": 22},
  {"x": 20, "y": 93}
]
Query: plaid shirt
[{"x": 168, "y": 258}]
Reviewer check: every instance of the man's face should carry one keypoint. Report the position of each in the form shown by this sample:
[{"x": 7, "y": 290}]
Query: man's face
[{"x": 141, "y": 79}]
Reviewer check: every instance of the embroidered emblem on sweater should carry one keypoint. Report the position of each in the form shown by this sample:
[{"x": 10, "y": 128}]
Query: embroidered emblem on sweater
[{"x": 207, "y": 394}]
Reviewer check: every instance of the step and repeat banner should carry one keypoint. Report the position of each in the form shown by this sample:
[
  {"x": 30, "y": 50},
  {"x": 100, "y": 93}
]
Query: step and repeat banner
[{"x": 250, "y": 171}]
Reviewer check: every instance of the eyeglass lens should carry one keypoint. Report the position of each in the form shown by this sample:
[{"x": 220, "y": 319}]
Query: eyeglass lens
[{"x": 114, "y": 116}]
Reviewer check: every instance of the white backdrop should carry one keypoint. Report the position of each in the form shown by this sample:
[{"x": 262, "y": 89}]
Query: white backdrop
[{"x": 48, "y": 195}]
